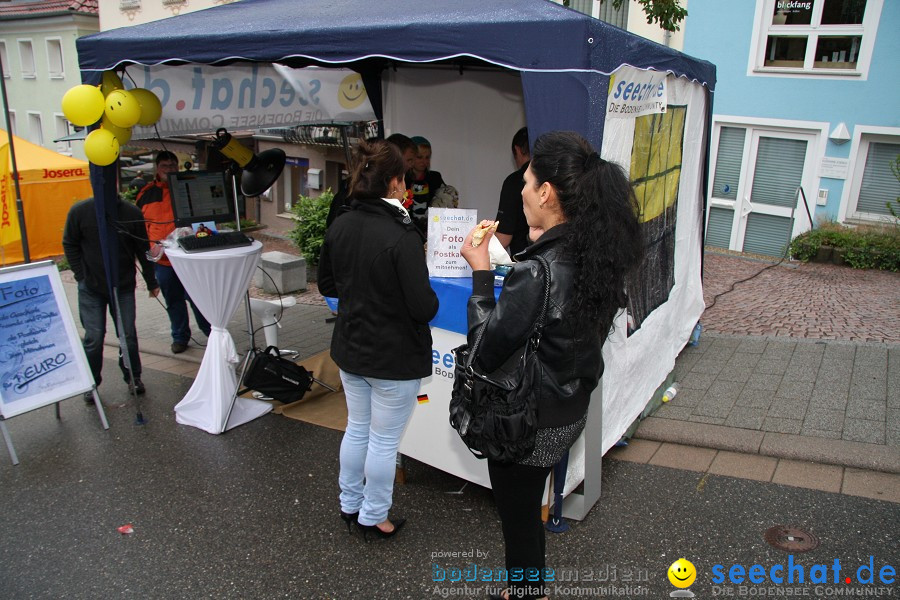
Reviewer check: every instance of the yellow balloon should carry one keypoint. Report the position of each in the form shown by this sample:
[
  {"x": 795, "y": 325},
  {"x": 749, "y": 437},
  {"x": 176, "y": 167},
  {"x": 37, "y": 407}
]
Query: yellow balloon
[
  {"x": 111, "y": 81},
  {"x": 123, "y": 134},
  {"x": 101, "y": 147},
  {"x": 122, "y": 109},
  {"x": 83, "y": 105},
  {"x": 151, "y": 108}
]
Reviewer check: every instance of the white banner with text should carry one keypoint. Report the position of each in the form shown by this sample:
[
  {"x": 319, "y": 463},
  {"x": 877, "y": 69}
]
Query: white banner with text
[{"x": 202, "y": 98}]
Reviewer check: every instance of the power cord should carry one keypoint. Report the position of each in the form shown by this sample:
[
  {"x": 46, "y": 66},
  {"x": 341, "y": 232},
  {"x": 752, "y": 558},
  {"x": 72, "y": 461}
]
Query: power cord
[
  {"x": 787, "y": 249},
  {"x": 280, "y": 301},
  {"x": 757, "y": 274}
]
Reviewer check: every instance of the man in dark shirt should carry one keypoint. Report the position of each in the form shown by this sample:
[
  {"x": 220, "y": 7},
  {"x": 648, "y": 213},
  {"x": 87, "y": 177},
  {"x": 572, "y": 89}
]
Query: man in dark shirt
[
  {"x": 81, "y": 244},
  {"x": 512, "y": 231},
  {"x": 342, "y": 197}
]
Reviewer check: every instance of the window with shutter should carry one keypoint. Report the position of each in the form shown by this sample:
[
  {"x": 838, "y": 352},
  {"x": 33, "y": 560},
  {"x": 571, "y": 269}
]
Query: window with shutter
[
  {"x": 3, "y": 60},
  {"x": 728, "y": 162},
  {"x": 718, "y": 228},
  {"x": 879, "y": 185},
  {"x": 26, "y": 59},
  {"x": 777, "y": 174},
  {"x": 779, "y": 170},
  {"x": 55, "y": 58}
]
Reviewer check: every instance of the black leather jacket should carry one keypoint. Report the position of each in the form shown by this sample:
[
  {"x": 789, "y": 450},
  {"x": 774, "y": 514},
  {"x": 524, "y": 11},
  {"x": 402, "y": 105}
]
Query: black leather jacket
[
  {"x": 373, "y": 261},
  {"x": 570, "y": 352}
]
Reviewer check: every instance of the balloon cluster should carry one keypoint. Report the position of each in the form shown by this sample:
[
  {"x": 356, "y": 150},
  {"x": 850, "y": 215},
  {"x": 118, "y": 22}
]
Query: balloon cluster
[{"x": 117, "y": 109}]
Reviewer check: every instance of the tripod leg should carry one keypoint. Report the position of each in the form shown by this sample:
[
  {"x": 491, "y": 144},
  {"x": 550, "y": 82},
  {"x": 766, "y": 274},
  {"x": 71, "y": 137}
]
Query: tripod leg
[
  {"x": 323, "y": 384},
  {"x": 236, "y": 389}
]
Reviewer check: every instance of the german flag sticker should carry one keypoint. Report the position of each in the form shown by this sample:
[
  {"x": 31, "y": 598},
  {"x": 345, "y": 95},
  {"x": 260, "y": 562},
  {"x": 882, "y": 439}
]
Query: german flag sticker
[{"x": 422, "y": 398}]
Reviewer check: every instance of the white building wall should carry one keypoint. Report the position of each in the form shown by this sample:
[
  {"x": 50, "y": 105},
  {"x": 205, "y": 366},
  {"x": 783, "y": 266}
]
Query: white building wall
[
  {"x": 122, "y": 13},
  {"x": 41, "y": 93}
]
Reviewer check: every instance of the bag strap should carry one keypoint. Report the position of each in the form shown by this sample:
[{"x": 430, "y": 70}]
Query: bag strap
[{"x": 535, "y": 338}]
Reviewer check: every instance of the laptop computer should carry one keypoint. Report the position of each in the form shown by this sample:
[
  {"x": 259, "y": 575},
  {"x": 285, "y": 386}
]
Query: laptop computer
[{"x": 204, "y": 197}]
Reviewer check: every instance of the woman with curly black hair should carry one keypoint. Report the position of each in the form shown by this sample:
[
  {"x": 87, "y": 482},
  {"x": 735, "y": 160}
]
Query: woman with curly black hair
[{"x": 581, "y": 214}]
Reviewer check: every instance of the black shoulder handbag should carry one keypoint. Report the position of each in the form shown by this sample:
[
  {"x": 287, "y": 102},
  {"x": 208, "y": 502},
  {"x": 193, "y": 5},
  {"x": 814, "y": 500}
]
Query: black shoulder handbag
[{"x": 495, "y": 414}]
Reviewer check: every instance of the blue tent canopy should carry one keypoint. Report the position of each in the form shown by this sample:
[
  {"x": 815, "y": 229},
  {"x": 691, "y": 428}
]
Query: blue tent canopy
[
  {"x": 564, "y": 57},
  {"x": 526, "y": 35}
]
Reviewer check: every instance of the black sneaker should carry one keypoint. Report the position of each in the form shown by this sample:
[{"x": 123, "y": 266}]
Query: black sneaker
[
  {"x": 178, "y": 347},
  {"x": 89, "y": 398},
  {"x": 139, "y": 388}
]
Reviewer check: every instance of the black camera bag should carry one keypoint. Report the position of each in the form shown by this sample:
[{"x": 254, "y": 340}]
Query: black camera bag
[{"x": 271, "y": 374}]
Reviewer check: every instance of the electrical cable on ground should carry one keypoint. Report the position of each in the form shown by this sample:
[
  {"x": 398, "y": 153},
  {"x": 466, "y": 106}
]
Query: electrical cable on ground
[{"x": 757, "y": 274}]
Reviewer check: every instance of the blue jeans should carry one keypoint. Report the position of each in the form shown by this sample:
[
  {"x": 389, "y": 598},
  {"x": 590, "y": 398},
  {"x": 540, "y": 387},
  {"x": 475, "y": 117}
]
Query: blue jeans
[
  {"x": 377, "y": 413},
  {"x": 92, "y": 308},
  {"x": 176, "y": 298}
]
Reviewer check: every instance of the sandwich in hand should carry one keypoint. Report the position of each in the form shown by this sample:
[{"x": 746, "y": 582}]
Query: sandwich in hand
[{"x": 483, "y": 229}]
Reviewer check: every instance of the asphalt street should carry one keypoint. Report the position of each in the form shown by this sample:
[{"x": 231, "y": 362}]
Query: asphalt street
[{"x": 253, "y": 514}]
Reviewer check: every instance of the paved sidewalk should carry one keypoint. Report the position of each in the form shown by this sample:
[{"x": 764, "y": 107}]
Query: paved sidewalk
[{"x": 753, "y": 406}]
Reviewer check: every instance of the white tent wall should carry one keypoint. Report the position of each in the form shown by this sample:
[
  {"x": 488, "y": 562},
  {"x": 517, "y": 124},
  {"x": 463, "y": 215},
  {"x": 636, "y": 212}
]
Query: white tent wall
[
  {"x": 469, "y": 118},
  {"x": 636, "y": 366}
]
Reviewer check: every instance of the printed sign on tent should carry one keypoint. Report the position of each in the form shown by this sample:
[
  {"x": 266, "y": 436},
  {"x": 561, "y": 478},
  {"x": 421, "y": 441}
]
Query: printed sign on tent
[
  {"x": 633, "y": 92},
  {"x": 447, "y": 229},
  {"x": 204, "y": 98}
]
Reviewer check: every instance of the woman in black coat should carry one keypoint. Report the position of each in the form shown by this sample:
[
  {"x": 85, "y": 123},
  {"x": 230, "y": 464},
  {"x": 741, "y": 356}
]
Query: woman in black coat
[
  {"x": 581, "y": 215},
  {"x": 373, "y": 262}
]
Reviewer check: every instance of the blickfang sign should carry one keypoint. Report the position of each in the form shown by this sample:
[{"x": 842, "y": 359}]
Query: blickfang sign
[{"x": 202, "y": 98}]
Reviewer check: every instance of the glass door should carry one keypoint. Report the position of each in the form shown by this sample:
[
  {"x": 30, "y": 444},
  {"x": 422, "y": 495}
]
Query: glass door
[{"x": 766, "y": 208}]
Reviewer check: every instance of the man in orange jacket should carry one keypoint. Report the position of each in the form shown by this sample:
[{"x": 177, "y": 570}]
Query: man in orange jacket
[{"x": 155, "y": 202}]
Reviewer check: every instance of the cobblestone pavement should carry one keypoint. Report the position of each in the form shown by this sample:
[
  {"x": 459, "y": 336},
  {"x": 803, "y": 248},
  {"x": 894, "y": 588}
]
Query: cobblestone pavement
[
  {"x": 797, "y": 300},
  {"x": 794, "y": 300}
]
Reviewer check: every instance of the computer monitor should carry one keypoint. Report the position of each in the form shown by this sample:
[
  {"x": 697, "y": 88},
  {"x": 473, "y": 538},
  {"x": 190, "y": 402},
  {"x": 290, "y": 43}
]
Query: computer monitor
[{"x": 201, "y": 196}]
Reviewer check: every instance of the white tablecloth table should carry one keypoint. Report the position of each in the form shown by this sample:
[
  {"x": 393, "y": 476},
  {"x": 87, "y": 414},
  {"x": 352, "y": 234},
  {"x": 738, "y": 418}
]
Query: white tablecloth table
[{"x": 217, "y": 281}]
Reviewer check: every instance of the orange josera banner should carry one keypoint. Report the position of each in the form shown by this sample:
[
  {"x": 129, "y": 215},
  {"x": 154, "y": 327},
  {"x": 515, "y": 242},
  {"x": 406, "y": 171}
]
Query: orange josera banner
[
  {"x": 50, "y": 184},
  {"x": 9, "y": 220}
]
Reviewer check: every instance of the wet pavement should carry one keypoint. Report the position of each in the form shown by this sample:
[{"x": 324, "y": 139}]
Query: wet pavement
[
  {"x": 253, "y": 514},
  {"x": 772, "y": 428}
]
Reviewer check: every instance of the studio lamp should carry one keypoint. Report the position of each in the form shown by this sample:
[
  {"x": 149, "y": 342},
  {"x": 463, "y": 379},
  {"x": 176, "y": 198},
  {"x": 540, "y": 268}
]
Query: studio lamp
[{"x": 259, "y": 171}]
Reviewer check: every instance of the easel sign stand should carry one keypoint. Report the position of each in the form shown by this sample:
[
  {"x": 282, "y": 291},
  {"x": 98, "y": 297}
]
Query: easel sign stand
[{"x": 42, "y": 360}]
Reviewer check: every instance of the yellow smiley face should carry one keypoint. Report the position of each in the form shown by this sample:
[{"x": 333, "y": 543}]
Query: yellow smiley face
[
  {"x": 682, "y": 573},
  {"x": 351, "y": 92}
]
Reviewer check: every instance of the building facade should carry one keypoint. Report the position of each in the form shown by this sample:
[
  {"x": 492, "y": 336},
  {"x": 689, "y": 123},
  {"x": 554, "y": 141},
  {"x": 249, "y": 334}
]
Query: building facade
[
  {"x": 311, "y": 167},
  {"x": 37, "y": 50},
  {"x": 806, "y": 124},
  {"x": 630, "y": 16}
]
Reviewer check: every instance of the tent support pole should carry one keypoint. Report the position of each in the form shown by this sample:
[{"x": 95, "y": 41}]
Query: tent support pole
[
  {"x": 249, "y": 314},
  {"x": 15, "y": 171},
  {"x": 126, "y": 359}
]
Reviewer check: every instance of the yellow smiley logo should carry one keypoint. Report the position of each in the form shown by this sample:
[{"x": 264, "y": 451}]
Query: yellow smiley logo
[
  {"x": 682, "y": 573},
  {"x": 351, "y": 91}
]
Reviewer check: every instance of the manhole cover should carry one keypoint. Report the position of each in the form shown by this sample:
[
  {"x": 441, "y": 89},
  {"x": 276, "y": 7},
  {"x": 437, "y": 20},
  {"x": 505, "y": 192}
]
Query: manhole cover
[{"x": 791, "y": 539}]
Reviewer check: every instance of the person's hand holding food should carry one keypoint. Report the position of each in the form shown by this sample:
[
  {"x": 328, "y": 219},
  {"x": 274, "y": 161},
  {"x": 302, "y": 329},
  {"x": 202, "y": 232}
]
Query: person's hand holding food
[{"x": 475, "y": 246}]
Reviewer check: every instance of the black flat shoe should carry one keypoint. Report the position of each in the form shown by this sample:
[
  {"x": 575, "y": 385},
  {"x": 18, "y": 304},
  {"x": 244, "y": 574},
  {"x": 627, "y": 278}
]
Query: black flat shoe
[
  {"x": 350, "y": 519},
  {"x": 367, "y": 529}
]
